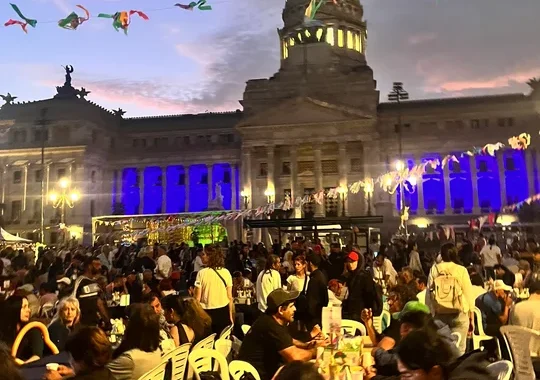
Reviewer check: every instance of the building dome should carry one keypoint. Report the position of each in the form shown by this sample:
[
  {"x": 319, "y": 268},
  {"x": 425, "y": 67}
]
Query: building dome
[{"x": 342, "y": 26}]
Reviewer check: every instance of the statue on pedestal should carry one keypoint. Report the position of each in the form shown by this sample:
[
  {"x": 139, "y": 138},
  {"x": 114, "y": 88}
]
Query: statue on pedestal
[
  {"x": 67, "y": 90},
  {"x": 69, "y": 71},
  {"x": 217, "y": 202}
]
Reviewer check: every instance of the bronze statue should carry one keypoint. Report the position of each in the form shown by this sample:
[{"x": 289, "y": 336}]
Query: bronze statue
[
  {"x": 83, "y": 93},
  {"x": 69, "y": 71},
  {"x": 8, "y": 99}
]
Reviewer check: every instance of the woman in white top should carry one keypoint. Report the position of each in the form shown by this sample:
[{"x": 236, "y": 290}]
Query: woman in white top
[
  {"x": 297, "y": 282},
  {"x": 218, "y": 303},
  {"x": 268, "y": 280},
  {"x": 491, "y": 256}
]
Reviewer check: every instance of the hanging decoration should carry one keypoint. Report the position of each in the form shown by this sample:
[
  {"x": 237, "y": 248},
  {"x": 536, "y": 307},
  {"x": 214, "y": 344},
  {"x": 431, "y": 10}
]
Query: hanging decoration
[
  {"x": 520, "y": 142},
  {"x": 121, "y": 20},
  {"x": 73, "y": 20},
  {"x": 200, "y": 4},
  {"x": 26, "y": 21}
]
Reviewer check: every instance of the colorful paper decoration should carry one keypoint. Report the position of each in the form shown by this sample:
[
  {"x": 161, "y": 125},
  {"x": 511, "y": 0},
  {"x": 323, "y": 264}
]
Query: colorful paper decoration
[
  {"x": 200, "y": 4},
  {"x": 121, "y": 20},
  {"x": 73, "y": 20},
  {"x": 27, "y": 21}
]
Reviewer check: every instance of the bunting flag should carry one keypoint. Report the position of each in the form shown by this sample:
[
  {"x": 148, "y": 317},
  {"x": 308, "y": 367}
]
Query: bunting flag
[
  {"x": 26, "y": 21},
  {"x": 200, "y": 4},
  {"x": 121, "y": 20},
  {"x": 73, "y": 20}
]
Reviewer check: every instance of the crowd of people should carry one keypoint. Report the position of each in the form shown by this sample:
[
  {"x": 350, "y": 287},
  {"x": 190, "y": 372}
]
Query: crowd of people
[{"x": 180, "y": 294}]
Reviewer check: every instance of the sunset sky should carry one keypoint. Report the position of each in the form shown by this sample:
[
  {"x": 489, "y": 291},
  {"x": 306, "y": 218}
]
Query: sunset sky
[{"x": 188, "y": 62}]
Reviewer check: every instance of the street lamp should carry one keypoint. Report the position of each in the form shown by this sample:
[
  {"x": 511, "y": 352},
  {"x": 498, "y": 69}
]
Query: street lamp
[
  {"x": 342, "y": 190},
  {"x": 245, "y": 197},
  {"x": 400, "y": 166},
  {"x": 269, "y": 193},
  {"x": 368, "y": 191},
  {"x": 397, "y": 95},
  {"x": 66, "y": 197}
]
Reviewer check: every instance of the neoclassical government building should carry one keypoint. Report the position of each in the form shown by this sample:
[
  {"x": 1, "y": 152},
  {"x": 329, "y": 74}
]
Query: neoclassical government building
[{"x": 317, "y": 123}]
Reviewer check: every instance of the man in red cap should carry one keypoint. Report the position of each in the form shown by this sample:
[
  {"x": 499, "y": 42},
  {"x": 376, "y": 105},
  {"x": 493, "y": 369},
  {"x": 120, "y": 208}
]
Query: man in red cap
[{"x": 362, "y": 289}]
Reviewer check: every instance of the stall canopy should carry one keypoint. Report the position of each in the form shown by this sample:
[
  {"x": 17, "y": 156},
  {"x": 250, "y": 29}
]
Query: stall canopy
[{"x": 7, "y": 237}]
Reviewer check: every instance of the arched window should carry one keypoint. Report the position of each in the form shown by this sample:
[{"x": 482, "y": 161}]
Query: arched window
[
  {"x": 350, "y": 40},
  {"x": 330, "y": 36},
  {"x": 357, "y": 42},
  {"x": 340, "y": 37}
]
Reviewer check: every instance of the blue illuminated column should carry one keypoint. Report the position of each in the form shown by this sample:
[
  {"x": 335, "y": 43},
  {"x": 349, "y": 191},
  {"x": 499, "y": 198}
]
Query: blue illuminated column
[
  {"x": 447, "y": 193},
  {"x": 474, "y": 181},
  {"x": 141, "y": 190},
  {"x": 186, "y": 187},
  {"x": 164, "y": 189},
  {"x": 529, "y": 160},
  {"x": 502, "y": 177},
  {"x": 234, "y": 175},
  {"x": 420, "y": 192},
  {"x": 209, "y": 168}
]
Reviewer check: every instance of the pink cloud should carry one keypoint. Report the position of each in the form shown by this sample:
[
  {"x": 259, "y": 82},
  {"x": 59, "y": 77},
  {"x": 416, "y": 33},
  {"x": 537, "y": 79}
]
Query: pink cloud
[{"x": 421, "y": 38}]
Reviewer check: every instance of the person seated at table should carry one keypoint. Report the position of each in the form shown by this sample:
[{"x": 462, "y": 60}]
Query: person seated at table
[
  {"x": 8, "y": 367},
  {"x": 134, "y": 287},
  {"x": 190, "y": 322},
  {"x": 154, "y": 302},
  {"x": 15, "y": 313},
  {"x": 268, "y": 344},
  {"x": 90, "y": 350},
  {"x": 117, "y": 286},
  {"x": 139, "y": 351},
  {"x": 64, "y": 322}
]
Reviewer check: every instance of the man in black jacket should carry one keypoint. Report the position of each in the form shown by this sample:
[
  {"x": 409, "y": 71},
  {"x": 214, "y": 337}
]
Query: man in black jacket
[
  {"x": 362, "y": 292},
  {"x": 317, "y": 291}
]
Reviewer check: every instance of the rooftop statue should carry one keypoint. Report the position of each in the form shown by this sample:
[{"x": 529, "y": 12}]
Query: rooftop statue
[
  {"x": 119, "y": 112},
  {"x": 69, "y": 71},
  {"x": 8, "y": 99}
]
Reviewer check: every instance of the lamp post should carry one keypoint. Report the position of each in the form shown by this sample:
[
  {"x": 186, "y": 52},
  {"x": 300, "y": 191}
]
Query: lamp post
[
  {"x": 66, "y": 197},
  {"x": 399, "y": 168},
  {"x": 397, "y": 95},
  {"x": 368, "y": 191},
  {"x": 245, "y": 197},
  {"x": 269, "y": 193},
  {"x": 342, "y": 190}
]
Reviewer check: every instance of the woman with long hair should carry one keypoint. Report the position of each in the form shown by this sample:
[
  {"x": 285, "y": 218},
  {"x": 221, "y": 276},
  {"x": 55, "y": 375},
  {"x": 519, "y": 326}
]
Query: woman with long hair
[
  {"x": 296, "y": 281},
  {"x": 139, "y": 351},
  {"x": 186, "y": 314},
  {"x": 268, "y": 280},
  {"x": 65, "y": 321},
  {"x": 15, "y": 313},
  {"x": 219, "y": 302}
]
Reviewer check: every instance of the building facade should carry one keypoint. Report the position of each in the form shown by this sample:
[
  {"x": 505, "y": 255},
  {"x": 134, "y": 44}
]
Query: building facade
[{"x": 315, "y": 124}]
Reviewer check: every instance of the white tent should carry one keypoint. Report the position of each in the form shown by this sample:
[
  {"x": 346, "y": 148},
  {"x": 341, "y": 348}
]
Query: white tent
[{"x": 7, "y": 237}]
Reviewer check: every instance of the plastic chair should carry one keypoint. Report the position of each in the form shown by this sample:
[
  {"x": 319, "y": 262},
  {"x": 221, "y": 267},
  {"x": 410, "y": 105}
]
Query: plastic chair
[
  {"x": 201, "y": 361},
  {"x": 224, "y": 347},
  {"x": 457, "y": 338},
  {"x": 207, "y": 342},
  {"x": 381, "y": 322},
  {"x": 518, "y": 339},
  {"x": 349, "y": 326},
  {"x": 245, "y": 329},
  {"x": 226, "y": 333},
  {"x": 237, "y": 368},
  {"x": 481, "y": 336},
  {"x": 178, "y": 358},
  {"x": 157, "y": 373},
  {"x": 44, "y": 334},
  {"x": 501, "y": 369}
]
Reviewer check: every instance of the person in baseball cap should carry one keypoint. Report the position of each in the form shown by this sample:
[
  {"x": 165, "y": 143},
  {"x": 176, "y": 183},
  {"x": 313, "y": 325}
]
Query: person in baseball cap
[{"x": 280, "y": 298}]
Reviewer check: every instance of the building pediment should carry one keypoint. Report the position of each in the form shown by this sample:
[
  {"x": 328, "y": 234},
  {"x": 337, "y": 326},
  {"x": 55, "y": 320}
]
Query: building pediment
[{"x": 302, "y": 111}]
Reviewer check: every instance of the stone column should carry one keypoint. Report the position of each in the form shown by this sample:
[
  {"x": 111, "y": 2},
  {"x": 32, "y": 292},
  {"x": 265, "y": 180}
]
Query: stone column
[
  {"x": 164, "y": 189},
  {"x": 319, "y": 208},
  {"x": 209, "y": 169},
  {"x": 4, "y": 181},
  {"x": 141, "y": 190},
  {"x": 246, "y": 174},
  {"x": 502, "y": 176},
  {"x": 295, "y": 192},
  {"x": 342, "y": 171},
  {"x": 474, "y": 181},
  {"x": 529, "y": 159},
  {"x": 420, "y": 193},
  {"x": 25, "y": 187},
  {"x": 270, "y": 180},
  {"x": 47, "y": 182},
  {"x": 448, "y": 210},
  {"x": 186, "y": 188},
  {"x": 234, "y": 171}
]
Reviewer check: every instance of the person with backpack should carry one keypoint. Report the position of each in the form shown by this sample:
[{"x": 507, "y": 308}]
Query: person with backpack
[{"x": 450, "y": 295}]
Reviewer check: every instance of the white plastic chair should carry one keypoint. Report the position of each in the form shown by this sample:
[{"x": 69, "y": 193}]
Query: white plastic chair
[
  {"x": 157, "y": 373},
  {"x": 481, "y": 336},
  {"x": 457, "y": 338},
  {"x": 245, "y": 329},
  {"x": 226, "y": 333},
  {"x": 178, "y": 357},
  {"x": 501, "y": 369},
  {"x": 207, "y": 342},
  {"x": 223, "y": 346},
  {"x": 350, "y": 326},
  {"x": 518, "y": 340},
  {"x": 382, "y": 321},
  {"x": 201, "y": 361},
  {"x": 238, "y": 367}
]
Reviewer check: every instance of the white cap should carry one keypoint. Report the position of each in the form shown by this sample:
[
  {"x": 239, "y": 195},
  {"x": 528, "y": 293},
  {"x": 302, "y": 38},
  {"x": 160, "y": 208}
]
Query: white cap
[{"x": 500, "y": 285}]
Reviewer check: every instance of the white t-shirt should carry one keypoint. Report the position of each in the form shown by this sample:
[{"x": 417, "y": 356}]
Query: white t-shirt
[
  {"x": 266, "y": 283},
  {"x": 207, "y": 279},
  {"x": 197, "y": 264},
  {"x": 164, "y": 265},
  {"x": 296, "y": 283},
  {"x": 490, "y": 253}
]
